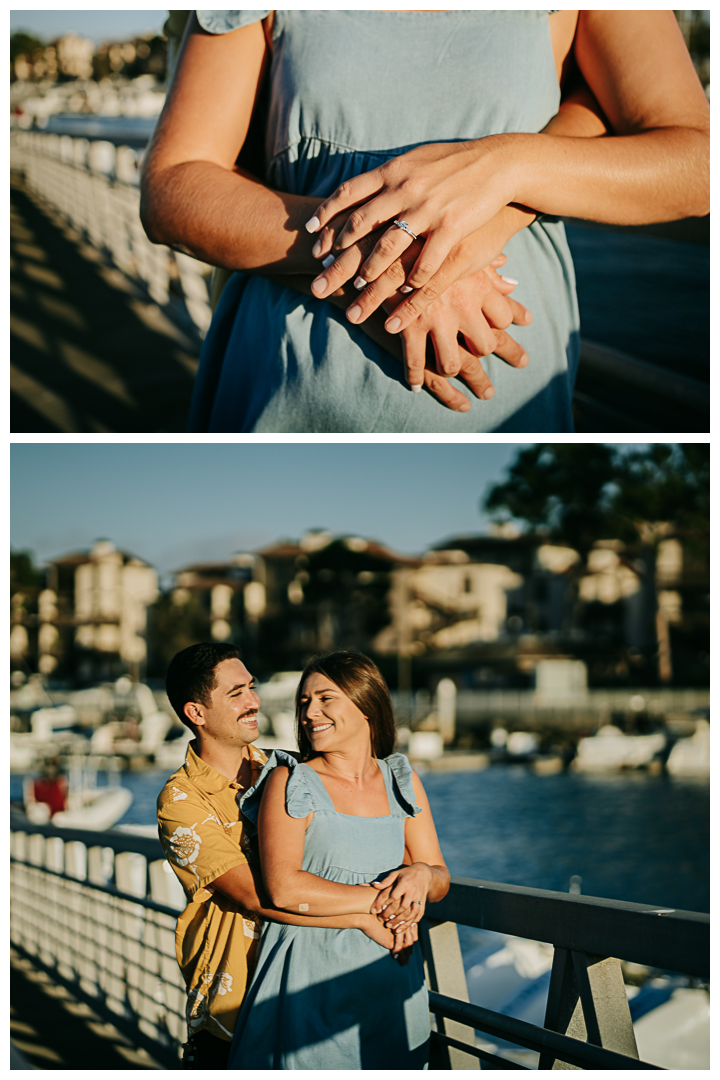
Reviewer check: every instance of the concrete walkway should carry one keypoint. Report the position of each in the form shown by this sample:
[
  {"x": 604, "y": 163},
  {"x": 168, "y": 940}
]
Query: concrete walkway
[
  {"x": 90, "y": 352},
  {"x": 50, "y": 1029}
]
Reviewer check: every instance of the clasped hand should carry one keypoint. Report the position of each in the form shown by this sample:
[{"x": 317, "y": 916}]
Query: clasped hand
[
  {"x": 445, "y": 191},
  {"x": 448, "y": 325}
]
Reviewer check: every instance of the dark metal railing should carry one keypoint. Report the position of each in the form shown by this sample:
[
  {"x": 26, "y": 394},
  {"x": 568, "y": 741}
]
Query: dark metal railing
[
  {"x": 81, "y": 900},
  {"x": 587, "y": 1020}
]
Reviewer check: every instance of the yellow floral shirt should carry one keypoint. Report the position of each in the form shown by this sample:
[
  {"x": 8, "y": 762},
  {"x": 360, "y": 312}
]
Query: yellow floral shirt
[{"x": 202, "y": 835}]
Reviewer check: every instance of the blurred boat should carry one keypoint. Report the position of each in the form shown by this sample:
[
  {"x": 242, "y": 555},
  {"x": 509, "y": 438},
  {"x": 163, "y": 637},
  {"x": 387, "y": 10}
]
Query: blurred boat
[
  {"x": 77, "y": 804},
  {"x": 611, "y": 750},
  {"x": 691, "y": 756}
]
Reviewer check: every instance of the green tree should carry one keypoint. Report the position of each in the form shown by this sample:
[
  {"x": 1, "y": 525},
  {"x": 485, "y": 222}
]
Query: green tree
[
  {"x": 173, "y": 626},
  {"x": 24, "y": 574},
  {"x": 23, "y": 44},
  {"x": 578, "y": 494}
]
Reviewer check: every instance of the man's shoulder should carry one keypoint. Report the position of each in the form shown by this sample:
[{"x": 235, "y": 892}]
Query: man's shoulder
[{"x": 177, "y": 788}]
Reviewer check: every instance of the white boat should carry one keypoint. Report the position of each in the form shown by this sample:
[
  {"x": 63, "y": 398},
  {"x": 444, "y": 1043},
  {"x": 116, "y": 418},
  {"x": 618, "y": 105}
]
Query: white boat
[
  {"x": 691, "y": 756},
  {"x": 612, "y": 749},
  {"x": 99, "y": 809},
  {"x": 88, "y": 806}
]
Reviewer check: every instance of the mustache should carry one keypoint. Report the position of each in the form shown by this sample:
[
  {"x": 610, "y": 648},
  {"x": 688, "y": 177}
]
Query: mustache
[{"x": 250, "y": 713}]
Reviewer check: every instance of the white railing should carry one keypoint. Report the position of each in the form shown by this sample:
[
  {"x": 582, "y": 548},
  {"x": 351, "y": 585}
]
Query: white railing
[
  {"x": 98, "y": 912},
  {"x": 94, "y": 186}
]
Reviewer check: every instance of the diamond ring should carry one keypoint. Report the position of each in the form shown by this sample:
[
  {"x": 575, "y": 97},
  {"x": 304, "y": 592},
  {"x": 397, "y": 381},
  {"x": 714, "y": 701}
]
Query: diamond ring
[{"x": 406, "y": 228}]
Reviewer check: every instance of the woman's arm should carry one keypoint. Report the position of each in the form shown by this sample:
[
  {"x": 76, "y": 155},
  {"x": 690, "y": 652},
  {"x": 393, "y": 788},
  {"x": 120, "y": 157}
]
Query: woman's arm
[
  {"x": 282, "y": 845},
  {"x": 193, "y": 197},
  {"x": 403, "y": 893}
]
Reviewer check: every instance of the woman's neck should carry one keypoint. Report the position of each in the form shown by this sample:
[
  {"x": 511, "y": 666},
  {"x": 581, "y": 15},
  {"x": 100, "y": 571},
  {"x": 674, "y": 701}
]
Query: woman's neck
[{"x": 353, "y": 766}]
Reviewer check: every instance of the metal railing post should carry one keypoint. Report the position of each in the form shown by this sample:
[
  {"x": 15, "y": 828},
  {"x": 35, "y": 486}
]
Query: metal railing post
[
  {"x": 605, "y": 1003},
  {"x": 563, "y": 1012},
  {"x": 446, "y": 975},
  {"x": 587, "y": 1000}
]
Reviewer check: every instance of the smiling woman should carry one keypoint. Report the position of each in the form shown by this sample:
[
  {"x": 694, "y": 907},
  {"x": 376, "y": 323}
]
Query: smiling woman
[{"x": 347, "y": 830}]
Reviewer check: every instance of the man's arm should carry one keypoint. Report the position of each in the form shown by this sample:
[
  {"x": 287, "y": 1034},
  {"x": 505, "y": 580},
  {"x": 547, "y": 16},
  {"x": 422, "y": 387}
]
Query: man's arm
[{"x": 242, "y": 887}]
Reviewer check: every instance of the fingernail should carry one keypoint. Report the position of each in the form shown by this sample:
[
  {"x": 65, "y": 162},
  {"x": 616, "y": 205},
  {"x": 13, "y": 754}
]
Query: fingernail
[
  {"x": 393, "y": 326},
  {"x": 465, "y": 407},
  {"x": 524, "y": 360},
  {"x": 319, "y": 285},
  {"x": 489, "y": 393},
  {"x": 406, "y": 288},
  {"x": 383, "y": 907},
  {"x": 328, "y": 261},
  {"x": 354, "y": 313},
  {"x": 510, "y": 280},
  {"x": 316, "y": 249},
  {"x": 359, "y": 283},
  {"x": 416, "y": 388},
  {"x": 313, "y": 224}
]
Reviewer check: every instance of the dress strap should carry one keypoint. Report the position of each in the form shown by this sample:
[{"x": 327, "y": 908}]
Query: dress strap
[
  {"x": 401, "y": 774},
  {"x": 224, "y": 22},
  {"x": 299, "y": 799}
]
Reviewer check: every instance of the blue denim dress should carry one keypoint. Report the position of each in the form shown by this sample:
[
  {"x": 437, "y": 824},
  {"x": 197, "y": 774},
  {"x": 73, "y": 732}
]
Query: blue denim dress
[
  {"x": 348, "y": 91},
  {"x": 334, "y": 999}
]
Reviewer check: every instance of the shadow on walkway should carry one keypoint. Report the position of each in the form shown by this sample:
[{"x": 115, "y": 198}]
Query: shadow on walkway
[
  {"x": 53, "y": 1030},
  {"x": 90, "y": 352}
]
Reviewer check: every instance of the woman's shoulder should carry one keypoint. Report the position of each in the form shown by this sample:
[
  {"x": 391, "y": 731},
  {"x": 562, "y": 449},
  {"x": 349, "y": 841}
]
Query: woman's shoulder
[
  {"x": 281, "y": 767},
  {"x": 402, "y": 773}
]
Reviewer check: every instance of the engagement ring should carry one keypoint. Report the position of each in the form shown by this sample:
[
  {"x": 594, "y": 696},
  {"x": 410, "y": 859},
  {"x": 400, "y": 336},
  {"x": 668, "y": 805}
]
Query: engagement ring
[{"x": 405, "y": 228}]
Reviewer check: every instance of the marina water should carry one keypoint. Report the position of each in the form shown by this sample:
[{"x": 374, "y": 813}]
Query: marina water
[{"x": 628, "y": 836}]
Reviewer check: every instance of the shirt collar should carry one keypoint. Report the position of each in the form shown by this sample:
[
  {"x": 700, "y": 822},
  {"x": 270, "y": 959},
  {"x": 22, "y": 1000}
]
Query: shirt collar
[{"x": 209, "y": 779}]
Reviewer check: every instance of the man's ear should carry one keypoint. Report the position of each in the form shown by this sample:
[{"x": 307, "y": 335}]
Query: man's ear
[{"x": 194, "y": 713}]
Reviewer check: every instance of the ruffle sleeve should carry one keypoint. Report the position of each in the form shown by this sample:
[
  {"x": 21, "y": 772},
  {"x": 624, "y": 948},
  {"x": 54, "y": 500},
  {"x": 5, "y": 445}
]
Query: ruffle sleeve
[
  {"x": 401, "y": 769},
  {"x": 222, "y": 22},
  {"x": 298, "y": 797}
]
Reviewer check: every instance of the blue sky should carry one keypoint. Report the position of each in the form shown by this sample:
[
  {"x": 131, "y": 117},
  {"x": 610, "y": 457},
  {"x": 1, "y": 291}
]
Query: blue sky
[
  {"x": 174, "y": 503},
  {"x": 100, "y": 26}
]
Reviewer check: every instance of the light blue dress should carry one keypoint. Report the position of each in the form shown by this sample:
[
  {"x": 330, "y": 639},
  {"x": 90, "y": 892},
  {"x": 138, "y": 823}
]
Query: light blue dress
[
  {"x": 334, "y": 999},
  {"x": 349, "y": 90}
]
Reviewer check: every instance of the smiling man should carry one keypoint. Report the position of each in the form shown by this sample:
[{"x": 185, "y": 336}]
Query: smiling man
[
  {"x": 202, "y": 834},
  {"x": 203, "y": 839}
]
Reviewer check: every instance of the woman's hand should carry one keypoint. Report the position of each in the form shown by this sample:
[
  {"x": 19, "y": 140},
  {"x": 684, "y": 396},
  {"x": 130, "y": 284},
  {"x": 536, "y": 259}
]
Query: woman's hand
[
  {"x": 399, "y": 942},
  {"x": 443, "y": 191},
  {"x": 402, "y": 895},
  {"x": 481, "y": 251}
]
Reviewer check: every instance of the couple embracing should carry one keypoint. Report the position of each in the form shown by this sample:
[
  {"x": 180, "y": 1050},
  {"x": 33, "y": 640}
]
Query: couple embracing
[{"x": 305, "y": 879}]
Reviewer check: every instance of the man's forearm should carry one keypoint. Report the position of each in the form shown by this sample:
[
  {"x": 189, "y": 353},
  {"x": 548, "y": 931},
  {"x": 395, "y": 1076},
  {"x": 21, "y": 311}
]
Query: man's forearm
[{"x": 656, "y": 175}]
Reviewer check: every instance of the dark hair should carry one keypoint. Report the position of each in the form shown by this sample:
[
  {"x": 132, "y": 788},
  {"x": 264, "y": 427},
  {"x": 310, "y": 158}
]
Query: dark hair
[
  {"x": 191, "y": 674},
  {"x": 358, "y": 677}
]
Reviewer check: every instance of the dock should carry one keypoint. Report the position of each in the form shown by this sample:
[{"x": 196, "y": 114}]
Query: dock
[
  {"x": 50, "y": 1028},
  {"x": 91, "y": 351}
]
